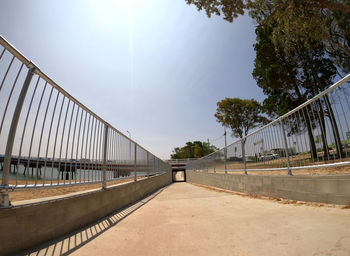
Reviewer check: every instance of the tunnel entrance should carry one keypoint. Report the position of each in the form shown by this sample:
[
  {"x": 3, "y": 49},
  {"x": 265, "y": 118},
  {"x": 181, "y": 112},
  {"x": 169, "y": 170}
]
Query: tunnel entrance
[
  {"x": 178, "y": 170},
  {"x": 179, "y": 176}
]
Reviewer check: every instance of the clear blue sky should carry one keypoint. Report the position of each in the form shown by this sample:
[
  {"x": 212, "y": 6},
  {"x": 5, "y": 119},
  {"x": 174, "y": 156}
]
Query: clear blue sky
[{"x": 154, "y": 67}]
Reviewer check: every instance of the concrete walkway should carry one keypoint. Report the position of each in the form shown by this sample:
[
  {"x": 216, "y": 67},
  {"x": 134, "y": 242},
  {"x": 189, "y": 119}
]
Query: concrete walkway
[
  {"x": 188, "y": 220},
  {"x": 184, "y": 219}
]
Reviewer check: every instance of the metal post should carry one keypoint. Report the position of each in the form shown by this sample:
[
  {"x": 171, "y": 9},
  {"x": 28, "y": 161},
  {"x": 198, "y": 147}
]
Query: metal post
[
  {"x": 105, "y": 146},
  {"x": 225, "y": 153},
  {"x": 4, "y": 197},
  {"x": 243, "y": 155},
  {"x": 148, "y": 165},
  {"x": 286, "y": 148},
  {"x": 135, "y": 177}
]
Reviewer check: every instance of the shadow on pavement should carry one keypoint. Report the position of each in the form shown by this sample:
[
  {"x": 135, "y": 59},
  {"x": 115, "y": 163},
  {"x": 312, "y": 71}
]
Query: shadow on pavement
[{"x": 67, "y": 244}]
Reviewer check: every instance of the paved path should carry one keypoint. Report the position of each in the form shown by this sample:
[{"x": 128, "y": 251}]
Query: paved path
[
  {"x": 188, "y": 220},
  {"x": 184, "y": 219}
]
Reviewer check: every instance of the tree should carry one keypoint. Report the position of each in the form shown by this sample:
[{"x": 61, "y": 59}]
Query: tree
[
  {"x": 298, "y": 20},
  {"x": 194, "y": 149},
  {"x": 232, "y": 9},
  {"x": 290, "y": 80},
  {"x": 240, "y": 115}
]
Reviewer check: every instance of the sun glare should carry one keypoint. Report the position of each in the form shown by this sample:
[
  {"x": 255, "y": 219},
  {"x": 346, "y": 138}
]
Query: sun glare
[{"x": 107, "y": 14}]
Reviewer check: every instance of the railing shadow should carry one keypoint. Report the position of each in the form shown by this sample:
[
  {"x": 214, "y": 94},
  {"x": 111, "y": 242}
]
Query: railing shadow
[{"x": 67, "y": 244}]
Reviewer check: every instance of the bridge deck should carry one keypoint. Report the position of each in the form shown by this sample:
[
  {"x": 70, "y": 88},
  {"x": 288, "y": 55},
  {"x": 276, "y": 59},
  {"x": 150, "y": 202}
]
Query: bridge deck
[{"x": 184, "y": 219}]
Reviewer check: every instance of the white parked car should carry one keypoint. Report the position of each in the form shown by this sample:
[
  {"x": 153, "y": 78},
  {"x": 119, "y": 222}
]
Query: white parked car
[{"x": 269, "y": 156}]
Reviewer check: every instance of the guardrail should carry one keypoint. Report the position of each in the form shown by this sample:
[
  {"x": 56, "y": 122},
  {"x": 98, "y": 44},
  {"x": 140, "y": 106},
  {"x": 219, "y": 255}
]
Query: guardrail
[
  {"x": 48, "y": 138},
  {"x": 316, "y": 134}
]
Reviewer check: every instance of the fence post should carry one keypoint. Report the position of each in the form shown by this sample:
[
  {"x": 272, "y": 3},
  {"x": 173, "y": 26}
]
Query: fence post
[
  {"x": 225, "y": 157},
  {"x": 135, "y": 169},
  {"x": 105, "y": 146},
  {"x": 286, "y": 148},
  {"x": 147, "y": 165},
  {"x": 243, "y": 155},
  {"x": 4, "y": 197},
  {"x": 154, "y": 164}
]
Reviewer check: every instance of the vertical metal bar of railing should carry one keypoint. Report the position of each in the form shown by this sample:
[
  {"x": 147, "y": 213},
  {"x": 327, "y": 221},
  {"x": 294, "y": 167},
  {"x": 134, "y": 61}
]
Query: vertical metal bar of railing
[
  {"x": 67, "y": 173},
  {"x": 7, "y": 71},
  {"x": 72, "y": 150},
  {"x": 153, "y": 165},
  {"x": 286, "y": 148},
  {"x": 135, "y": 168},
  {"x": 61, "y": 169},
  {"x": 147, "y": 170},
  {"x": 105, "y": 146},
  {"x": 243, "y": 155},
  {"x": 225, "y": 153},
  {"x": 2, "y": 53},
  {"x": 4, "y": 197},
  {"x": 10, "y": 96},
  {"x": 24, "y": 130},
  {"x": 96, "y": 151},
  {"x": 41, "y": 135},
  {"x": 31, "y": 140}
]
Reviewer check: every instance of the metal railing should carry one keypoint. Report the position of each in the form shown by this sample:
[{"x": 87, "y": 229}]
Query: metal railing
[
  {"x": 181, "y": 161},
  {"x": 48, "y": 138},
  {"x": 314, "y": 135}
]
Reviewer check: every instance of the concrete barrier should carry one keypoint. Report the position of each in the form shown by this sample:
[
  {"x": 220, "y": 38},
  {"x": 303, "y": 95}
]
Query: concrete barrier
[
  {"x": 332, "y": 189},
  {"x": 25, "y": 226}
]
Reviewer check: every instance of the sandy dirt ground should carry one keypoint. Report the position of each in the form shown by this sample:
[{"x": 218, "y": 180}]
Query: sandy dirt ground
[
  {"x": 26, "y": 194},
  {"x": 184, "y": 219},
  {"x": 295, "y": 161},
  {"x": 314, "y": 171}
]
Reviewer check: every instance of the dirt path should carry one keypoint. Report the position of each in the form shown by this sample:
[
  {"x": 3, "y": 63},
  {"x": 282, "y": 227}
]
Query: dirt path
[{"x": 185, "y": 219}]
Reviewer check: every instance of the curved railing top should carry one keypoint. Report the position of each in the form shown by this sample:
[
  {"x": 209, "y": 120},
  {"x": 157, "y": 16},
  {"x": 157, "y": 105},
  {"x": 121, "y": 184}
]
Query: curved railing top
[
  {"x": 291, "y": 112},
  {"x": 9, "y": 47}
]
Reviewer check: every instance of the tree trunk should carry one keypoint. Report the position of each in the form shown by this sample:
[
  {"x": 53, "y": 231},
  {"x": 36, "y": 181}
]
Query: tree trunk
[
  {"x": 334, "y": 128},
  {"x": 322, "y": 122},
  {"x": 311, "y": 136},
  {"x": 308, "y": 126}
]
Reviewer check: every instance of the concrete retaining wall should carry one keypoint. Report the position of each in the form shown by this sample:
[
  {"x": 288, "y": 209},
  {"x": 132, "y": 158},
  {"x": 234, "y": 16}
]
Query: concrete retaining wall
[
  {"x": 333, "y": 189},
  {"x": 25, "y": 226}
]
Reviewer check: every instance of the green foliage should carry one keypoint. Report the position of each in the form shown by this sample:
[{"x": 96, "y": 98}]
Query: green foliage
[
  {"x": 194, "y": 149},
  {"x": 240, "y": 115},
  {"x": 325, "y": 21},
  {"x": 290, "y": 80},
  {"x": 229, "y": 9}
]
